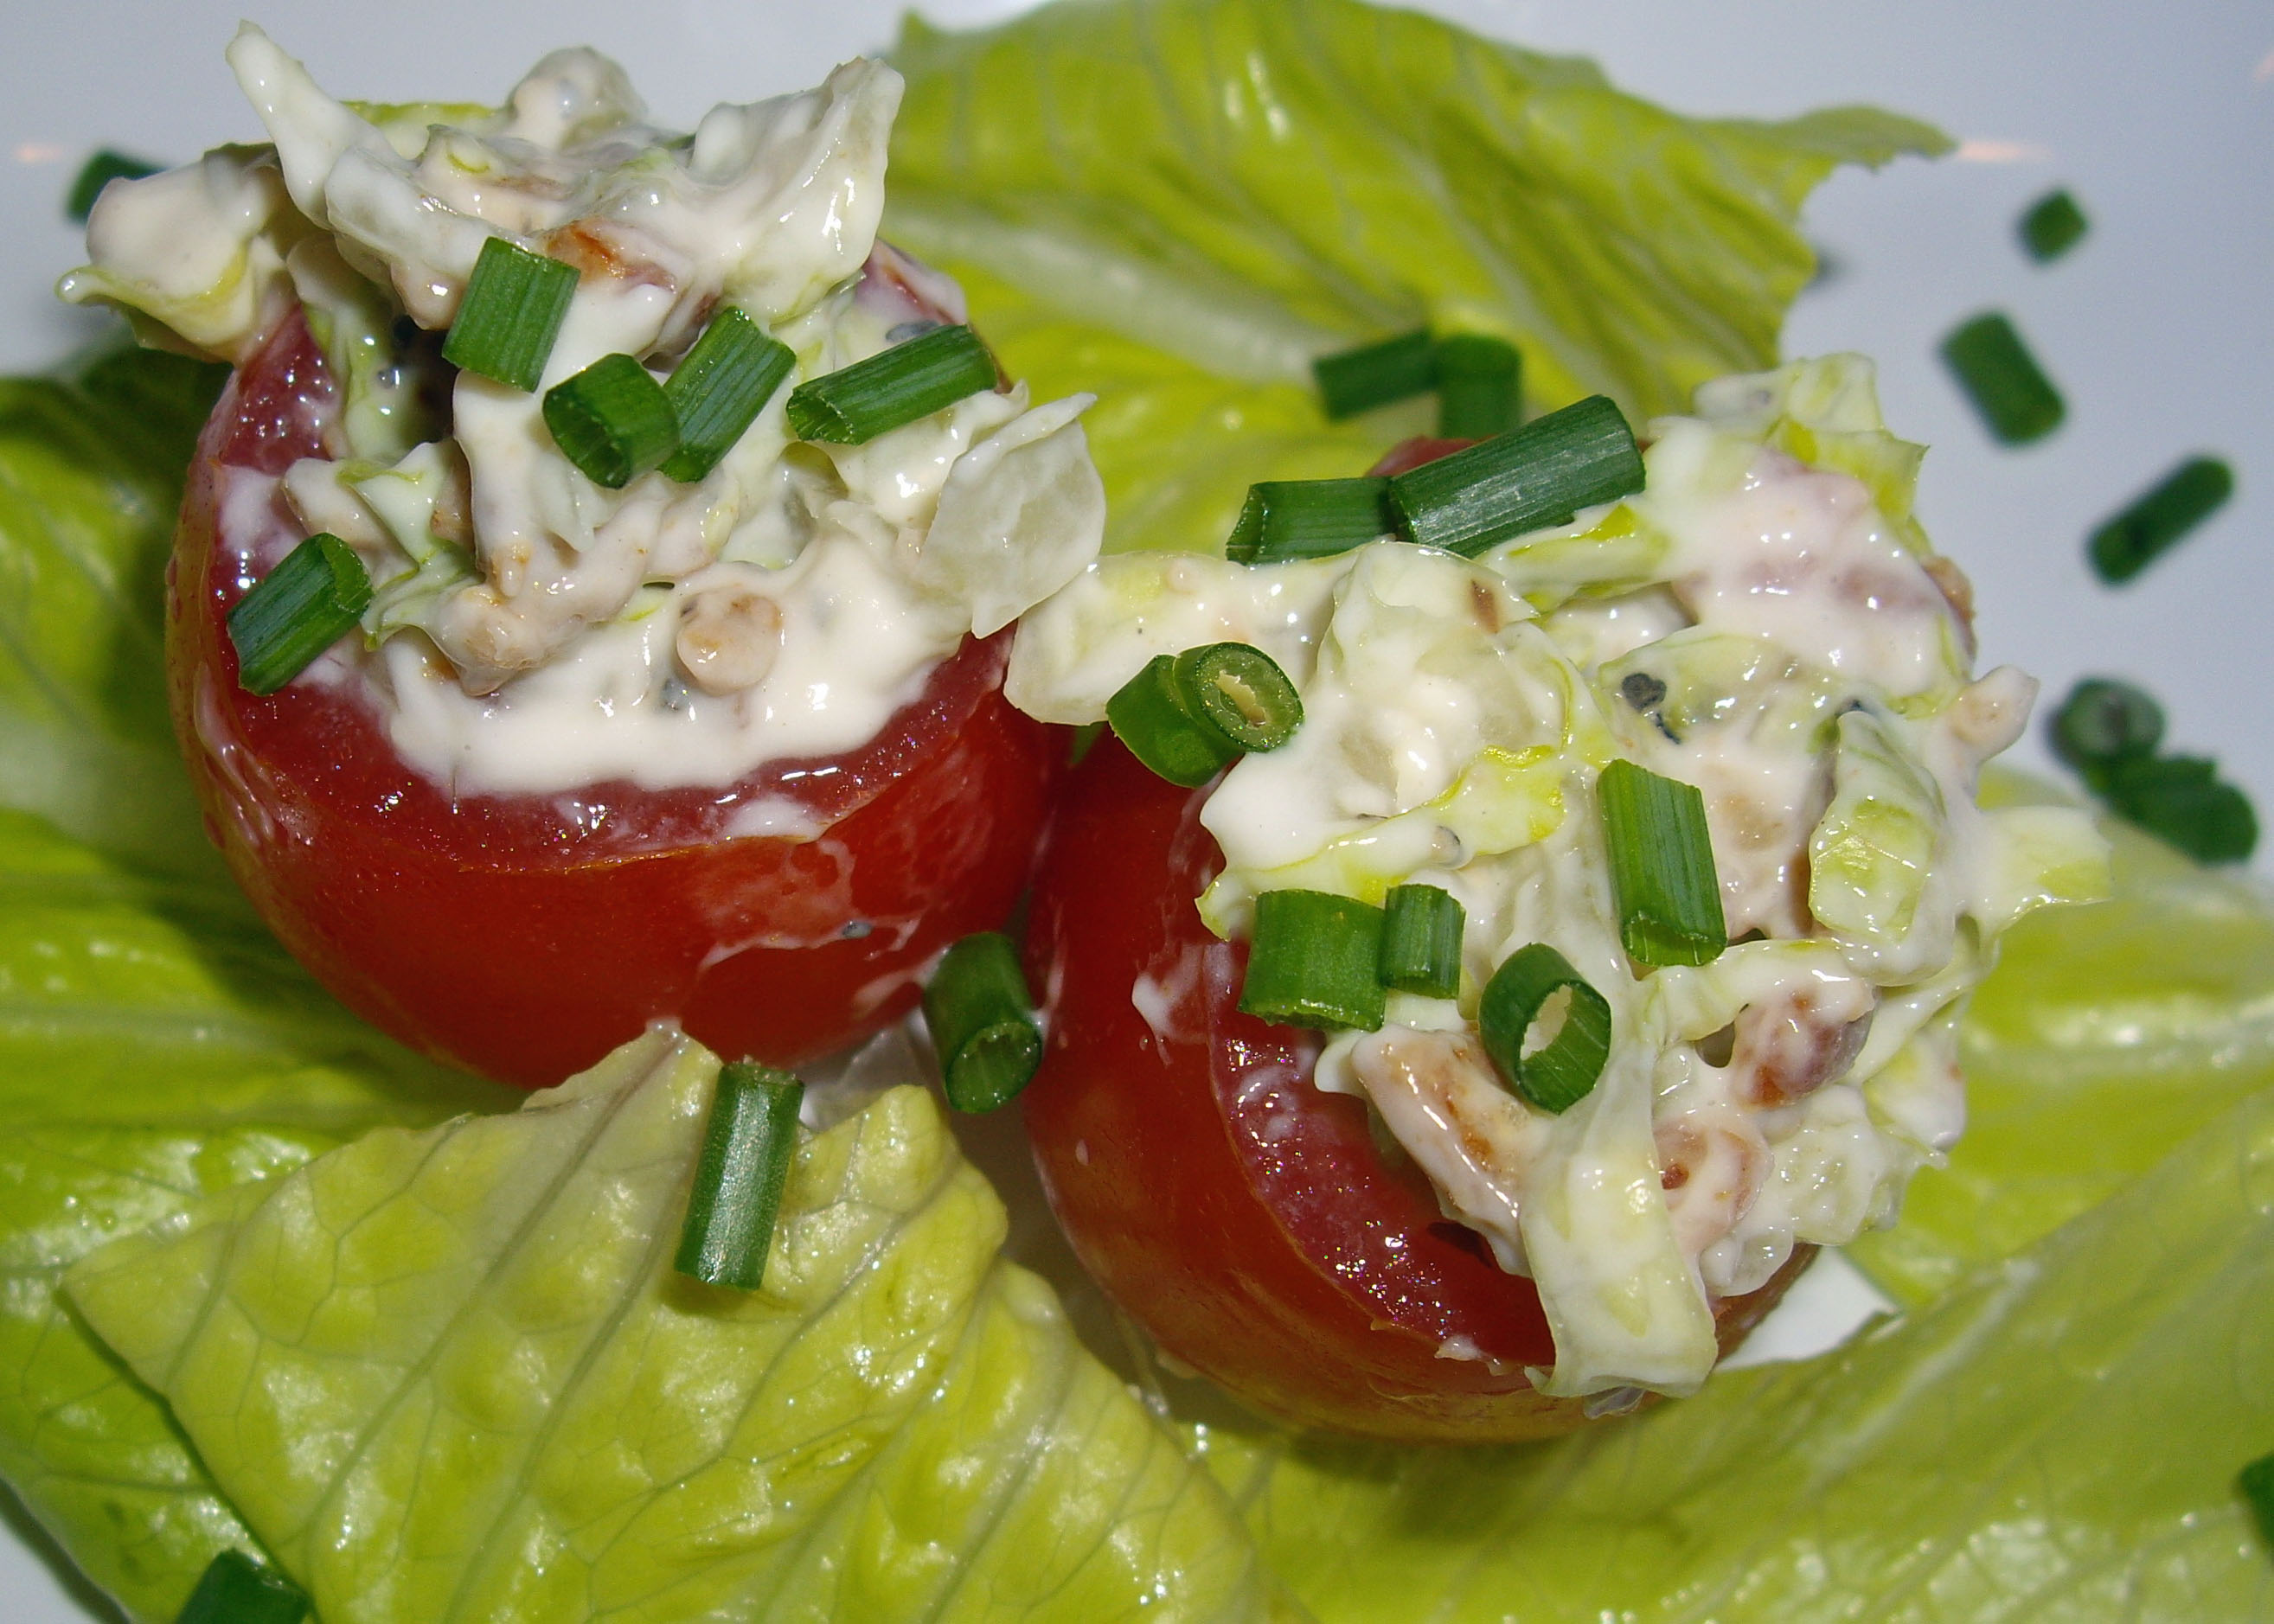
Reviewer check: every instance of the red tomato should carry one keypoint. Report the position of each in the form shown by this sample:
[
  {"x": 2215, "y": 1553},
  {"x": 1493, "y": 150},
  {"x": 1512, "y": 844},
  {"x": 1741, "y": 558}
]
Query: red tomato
[
  {"x": 1247, "y": 1219},
  {"x": 524, "y": 936}
]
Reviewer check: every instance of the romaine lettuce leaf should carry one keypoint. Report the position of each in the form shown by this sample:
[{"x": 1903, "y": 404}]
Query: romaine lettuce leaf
[
  {"x": 91, "y": 465},
  {"x": 2055, "y": 1439},
  {"x": 155, "y": 1046},
  {"x": 452, "y": 1374},
  {"x": 1178, "y": 205}
]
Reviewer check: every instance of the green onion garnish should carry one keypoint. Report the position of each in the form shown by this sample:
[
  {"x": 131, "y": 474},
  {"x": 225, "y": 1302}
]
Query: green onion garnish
[
  {"x": 982, "y": 1024},
  {"x": 514, "y": 305},
  {"x": 1529, "y": 479},
  {"x": 1150, "y": 715},
  {"x": 1550, "y": 1049},
  {"x": 1421, "y": 940},
  {"x": 1188, "y": 716},
  {"x": 2157, "y": 518},
  {"x": 302, "y": 608},
  {"x": 1309, "y": 518},
  {"x": 1478, "y": 387},
  {"x": 2016, "y": 399},
  {"x": 1240, "y": 692},
  {"x": 2180, "y": 799},
  {"x": 718, "y": 388},
  {"x": 612, "y": 421},
  {"x": 234, "y": 1589},
  {"x": 2104, "y": 720},
  {"x": 748, "y": 1146},
  {"x": 98, "y": 172},
  {"x": 2255, "y": 1483},
  {"x": 892, "y": 388},
  {"x": 1355, "y": 381},
  {"x": 2052, "y": 227},
  {"x": 1314, "y": 961},
  {"x": 1669, "y": 898}
]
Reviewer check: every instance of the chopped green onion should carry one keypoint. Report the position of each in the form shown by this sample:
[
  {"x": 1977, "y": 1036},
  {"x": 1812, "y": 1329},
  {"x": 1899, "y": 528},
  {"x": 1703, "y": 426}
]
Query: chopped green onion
[
  {"x": 1478, "y": 387},
  {"x": 2052, "y": 227},
  {"x": 2017, "y": 401},
  {"x": 98, "y": 172},
  {"x": 1421, "y": 940},
  {"x": 718, "y": 388},
  {"x": 514, "y": 305},
  {"x": 1551, "y": 1050},
  {"x": 2255, "y": 1483},
  {"x": 1188, "y": 716},
  {"x": 1148, "y": 714},
  {"x": 748, "y": 1146},
  {"x": 234, "y": 1589},
  {"x": 2104, "y": 720},
  {"x": 2181, "y": 800},
  {"x": 1314, "y": 961},
  {"x": 1355, "y": 381},
  {"x": 982, "y": 1024},
  {"x": 2157, "y": 518},
  {"x": 302, "y": 608},
  {"x": 892, "y": 388},
  {"x": 1669, "y": 895},
  {"x": 1240, "y": 692},
  {"x": 1526, "y": 479},
  {"x": 1309, "y": 518},
  {"x": 612, "y": 420}
]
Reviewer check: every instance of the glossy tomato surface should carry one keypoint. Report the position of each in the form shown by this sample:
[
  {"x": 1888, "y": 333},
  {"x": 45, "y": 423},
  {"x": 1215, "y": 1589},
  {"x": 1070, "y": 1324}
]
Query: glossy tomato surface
[
  {"x": 524, "y": 936},
  {"x": 1247, "y": 1219}
]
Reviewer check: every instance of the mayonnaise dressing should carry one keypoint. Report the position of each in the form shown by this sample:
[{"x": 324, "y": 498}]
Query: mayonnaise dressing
[
  {"x": 533, "y": 632},
  {"x": 1756, "y": 623}
]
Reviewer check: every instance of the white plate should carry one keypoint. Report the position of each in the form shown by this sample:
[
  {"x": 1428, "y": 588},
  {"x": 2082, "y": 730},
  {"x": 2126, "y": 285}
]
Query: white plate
[{"x": 2158, "y": 328}]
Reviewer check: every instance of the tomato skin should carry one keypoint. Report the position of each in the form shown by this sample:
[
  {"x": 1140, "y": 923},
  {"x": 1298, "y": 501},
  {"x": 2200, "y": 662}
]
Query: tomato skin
[
  {"x": 1244, "y": 1217},
  {"x": 524, "y": 936}
]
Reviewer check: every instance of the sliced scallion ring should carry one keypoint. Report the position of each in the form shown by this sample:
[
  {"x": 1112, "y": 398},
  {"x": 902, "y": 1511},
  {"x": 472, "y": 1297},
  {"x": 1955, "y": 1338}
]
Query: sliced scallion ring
[
  {"x": 718, "y": 388},
  {"x": 1545, "y": 1027},
  {"x": 2104, "y": 720},
  {"x": 1314, "y": 961},
  {"x": 981, "y": 1017},
  {"x": 1479, "y": 384},
  {"x": 1189, "y": 716},
  {"x": 612, "y": 421},
  {"x": 748, "y": 1146},
  {"x": 1239, "y": 691},
  {"x": 2152, "y": 522},
  {"x": 1309, "y": 518},
  {"x": 1394, "y": 369},
  {"x": 511, "y": 311},
  {"x": 892, "y": 389},
  {"x": 1528, "y": 479},
  {"x": 299, "y": 609},
  {"x": 1421, "y": 940},
  {"x": 2017, "y": 401},
  {"x": 1148, "y": 714},
  {"x": 1662, "y": 874}
]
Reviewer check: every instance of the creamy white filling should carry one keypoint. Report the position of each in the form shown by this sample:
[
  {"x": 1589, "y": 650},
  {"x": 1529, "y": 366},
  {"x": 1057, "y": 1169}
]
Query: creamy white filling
[
  {"x": 668, "y": 634},
  {"x": 1752, "y": 625}
]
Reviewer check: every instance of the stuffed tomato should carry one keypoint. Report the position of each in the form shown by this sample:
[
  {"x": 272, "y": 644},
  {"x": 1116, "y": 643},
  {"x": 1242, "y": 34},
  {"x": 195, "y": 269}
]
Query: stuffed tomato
[
  {"x": 645, "y": 529},
  {"x": 1489, "y": 1052}
]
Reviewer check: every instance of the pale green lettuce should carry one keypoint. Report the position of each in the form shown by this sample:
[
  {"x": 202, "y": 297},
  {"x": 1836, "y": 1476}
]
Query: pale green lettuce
[
  {"x": 90, "y": 476},
  {"x": 453, "y": 1375},
  {"x": 1177, "y": 205},
  {"x": 155, "y": 1046}
]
